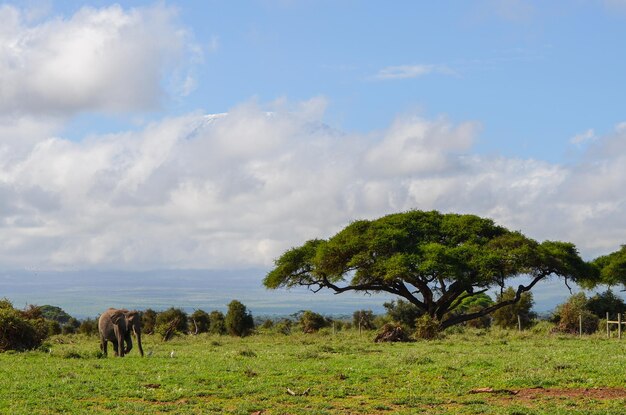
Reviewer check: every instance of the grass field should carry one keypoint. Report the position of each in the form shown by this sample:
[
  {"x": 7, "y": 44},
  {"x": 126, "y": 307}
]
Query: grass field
[{"x": 344, "y": 373}]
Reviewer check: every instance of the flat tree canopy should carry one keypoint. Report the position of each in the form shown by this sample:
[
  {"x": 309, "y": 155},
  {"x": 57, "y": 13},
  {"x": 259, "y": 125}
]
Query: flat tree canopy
[{"x": 433, "y": 260}]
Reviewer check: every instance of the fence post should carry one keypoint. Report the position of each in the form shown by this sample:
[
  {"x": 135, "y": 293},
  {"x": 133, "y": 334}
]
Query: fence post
[
  {"x": 580, "y": 325},
  {"x": 608, "y": 333},
  {"x": 619, "y": 326},
  {"x": 519, "y": 323}
]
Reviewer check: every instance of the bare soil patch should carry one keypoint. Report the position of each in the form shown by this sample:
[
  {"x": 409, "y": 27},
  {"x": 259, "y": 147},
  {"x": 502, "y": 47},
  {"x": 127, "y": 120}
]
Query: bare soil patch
[
  {"x": 543, "y": 393},
  {"x": 581, "y": 393}
]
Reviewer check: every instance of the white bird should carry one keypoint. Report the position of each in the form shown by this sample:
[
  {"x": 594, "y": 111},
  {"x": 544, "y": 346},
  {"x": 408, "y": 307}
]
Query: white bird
[{"x": 172, "y": 353}]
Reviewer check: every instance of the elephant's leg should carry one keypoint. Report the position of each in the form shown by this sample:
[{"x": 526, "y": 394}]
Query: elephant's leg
[
  {"x": 103, "y": 346},
  {"x": 115, "y": 348}
]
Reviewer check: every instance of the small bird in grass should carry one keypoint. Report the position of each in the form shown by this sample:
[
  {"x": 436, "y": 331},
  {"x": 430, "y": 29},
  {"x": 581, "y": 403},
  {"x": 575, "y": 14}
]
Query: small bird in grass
[{"x": 172, "y": 353}]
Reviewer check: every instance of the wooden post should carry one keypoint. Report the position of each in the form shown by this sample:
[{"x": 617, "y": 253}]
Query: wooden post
[
  {"x": 580, "y": 325},
  {"x": 519, "y": 323},
  {"x": 608, "y": 333},
  {"x": 619, "y": 326}
]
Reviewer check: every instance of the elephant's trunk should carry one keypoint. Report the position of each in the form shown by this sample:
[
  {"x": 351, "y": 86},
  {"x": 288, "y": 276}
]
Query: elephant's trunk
[
  {"x": 129, "y": 343},
  {"x": 120, "y": 343},
  {"x": 138, "y": 334}
]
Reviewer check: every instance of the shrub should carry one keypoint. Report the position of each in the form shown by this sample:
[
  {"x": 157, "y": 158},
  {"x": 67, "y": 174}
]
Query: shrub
[
  {"x": 403, "y": 312},
  {"x": 171, "y": 322},
  {"x": 426, "y": 328},
  {"x": 311, "y": 321},
  {"x": 238, "y": 321},
  {"x": 363, "y": 319},
  {"x": 51, "y": 312},
  {"x": 148, "y": 321},
  {"x": 217, "y": 322},
  {"x": 71, "y": 326},
  {"x": 506, "y": 317},
  {"x": 572, "y": 311},
  {"x": 17, "y": 331},
  {"x": 606, "y": 302},
  {"x": 283, "y": 326},
  {"x": 199, "y": 322},
  {"x": 88, "y": 327},
  {"x": 267, "y": 324}
]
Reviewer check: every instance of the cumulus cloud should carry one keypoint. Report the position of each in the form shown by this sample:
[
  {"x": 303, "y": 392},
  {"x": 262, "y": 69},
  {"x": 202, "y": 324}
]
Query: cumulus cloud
[
  {"x": 234, "y": 190},
  {"x": 106, "y": 59}
]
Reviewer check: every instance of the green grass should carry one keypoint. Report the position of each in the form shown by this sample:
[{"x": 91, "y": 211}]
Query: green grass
[{"x": 341, "y": 374}]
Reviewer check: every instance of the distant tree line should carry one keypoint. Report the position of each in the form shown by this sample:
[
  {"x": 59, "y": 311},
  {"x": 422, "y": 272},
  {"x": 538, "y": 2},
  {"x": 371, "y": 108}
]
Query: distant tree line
[{"x": 27, "y": 329}]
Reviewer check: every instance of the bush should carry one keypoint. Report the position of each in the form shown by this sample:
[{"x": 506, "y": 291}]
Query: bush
[
  {"x": 88, "y": 327},
  {"x": 171, "y": 322},
  {"x": 199, "y": 322},
  {"x": 364, "y": 319},
  {"x": 506, "y": 317},
  {"x": 238, "y": 321},
  {"x": 51, "y": 312},
  {"x": 403, "y": 312},
  {"x": 606, "y": 302},
  {"x": 571, "y": 311},
  {"x": 426, "y": 328},
  {"x": 148, "y": 321},
  {"x": 17, "y": 331},
  {"x": 311, "y": 321},
  {"x": 71, "y": 326},
  {"x": 217, "y": 322},
  {"x": 283, "y": 326}
]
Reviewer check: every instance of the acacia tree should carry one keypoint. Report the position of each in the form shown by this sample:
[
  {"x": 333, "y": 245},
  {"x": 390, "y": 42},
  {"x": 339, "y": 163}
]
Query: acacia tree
[{"x": 433, "y": 260}]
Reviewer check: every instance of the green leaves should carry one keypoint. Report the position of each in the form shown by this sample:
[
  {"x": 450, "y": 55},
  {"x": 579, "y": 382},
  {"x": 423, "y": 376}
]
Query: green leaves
[
  {"x": 612, "y": 267},
  {"x": 429, "y": 258}
]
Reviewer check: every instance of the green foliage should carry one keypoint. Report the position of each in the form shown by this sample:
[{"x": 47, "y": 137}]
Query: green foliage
[
  {"x": 426, "y": 328},
  {"x": 403, "y": 312},
  {"x": 217, "y": 322},
  {"x": 199, "y": 322},
  {"x": 51, "y": 312},
  {"x": 88, "y": 327},
  {"x": 428, "y": 258},
  {"x": 171, "y": 322},
  {"x": 20, "y": 330},
  {"x": 364, "y": 319},
  {"x": 506, "y": 317},
  {"x": 570, "y": 313},
  {"x": 612, "y": 267},
  {"x": 238, "y": 321},
  {"x": 311, "y": 321},
  {"x": 71, "y": 326},
  {"x": 148, "y": 321},
  {"x": 606, "y": 302}
]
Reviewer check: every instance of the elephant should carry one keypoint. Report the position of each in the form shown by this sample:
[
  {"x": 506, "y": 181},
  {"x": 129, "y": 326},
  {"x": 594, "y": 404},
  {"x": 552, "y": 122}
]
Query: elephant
[
  {"x": 116, "y": 326},
  {"x": 133, "y": 323}
]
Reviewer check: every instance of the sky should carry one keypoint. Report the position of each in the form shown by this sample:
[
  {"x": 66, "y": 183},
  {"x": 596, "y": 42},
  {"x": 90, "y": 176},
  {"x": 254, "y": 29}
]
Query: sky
[{"x": 217, "y": 134}]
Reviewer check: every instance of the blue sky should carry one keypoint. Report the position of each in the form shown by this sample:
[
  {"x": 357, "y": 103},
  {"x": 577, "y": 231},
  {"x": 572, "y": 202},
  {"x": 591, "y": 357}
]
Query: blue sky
[
  {"x": 533, "y": 74},
  {"x": 112, "y": 157}
]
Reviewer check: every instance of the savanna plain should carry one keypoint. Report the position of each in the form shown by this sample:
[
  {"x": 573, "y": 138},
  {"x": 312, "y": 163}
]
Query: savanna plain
[{"x": 468, "y": 371}]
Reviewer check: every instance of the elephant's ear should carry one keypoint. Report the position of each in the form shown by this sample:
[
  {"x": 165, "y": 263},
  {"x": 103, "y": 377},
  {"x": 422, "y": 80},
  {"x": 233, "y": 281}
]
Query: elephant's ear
[{"x": 117, "y": 317}]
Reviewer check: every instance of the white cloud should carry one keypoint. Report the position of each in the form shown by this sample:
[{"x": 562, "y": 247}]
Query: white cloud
[
  {"x": 411, "y": 71},
  {"x": 235, "y": 190},
  {"x": 584, "y": 137},
  {"x": 106, "y": 59}
]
